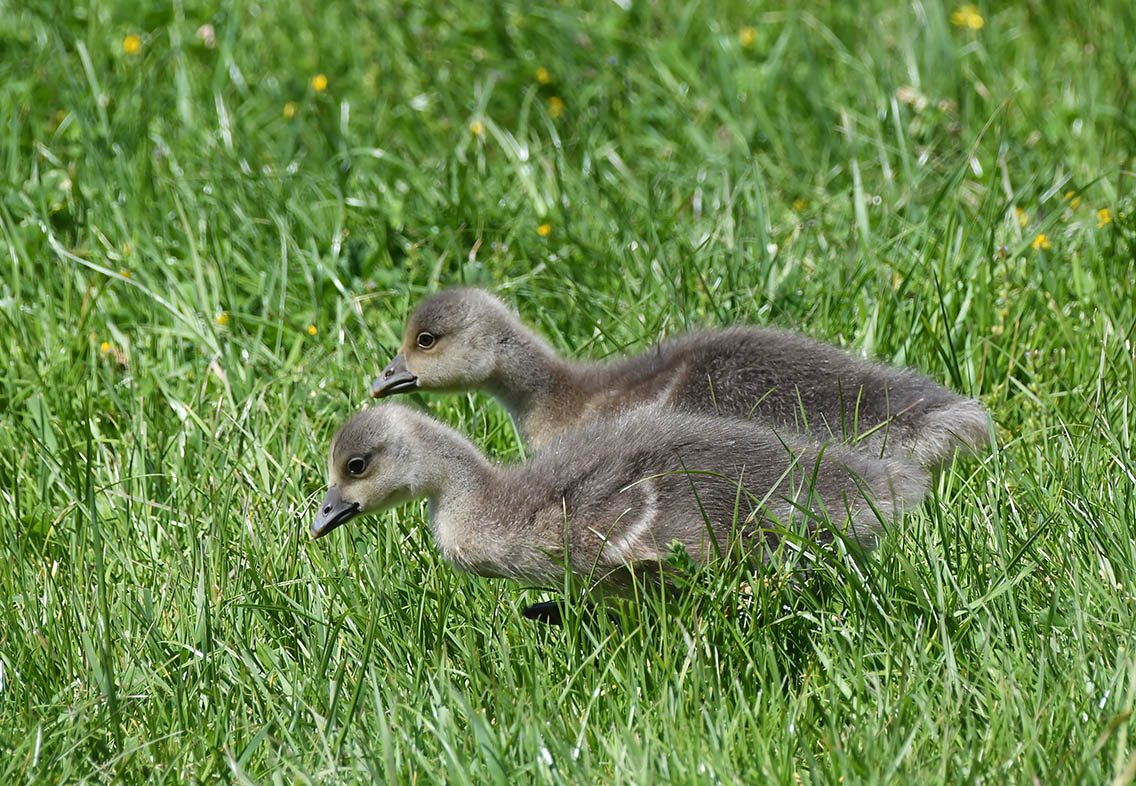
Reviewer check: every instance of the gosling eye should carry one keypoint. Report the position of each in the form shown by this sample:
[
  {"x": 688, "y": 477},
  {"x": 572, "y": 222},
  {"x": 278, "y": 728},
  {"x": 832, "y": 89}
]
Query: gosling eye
[
  {"x": 426, "y": 340},
  {"x": 356, "y": 465}
]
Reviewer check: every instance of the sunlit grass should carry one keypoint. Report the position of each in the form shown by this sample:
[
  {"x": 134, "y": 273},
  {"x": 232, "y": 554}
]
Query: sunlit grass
[{"x": 215, "y": 219}]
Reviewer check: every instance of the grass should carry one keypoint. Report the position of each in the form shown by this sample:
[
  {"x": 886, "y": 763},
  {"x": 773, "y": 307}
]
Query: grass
[{"x": 206, "y": 259}]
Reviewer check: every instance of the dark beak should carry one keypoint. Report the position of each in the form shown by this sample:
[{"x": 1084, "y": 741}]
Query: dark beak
[
  {"x": 396, "y": 378},
  {"x": 333, "y": 511}
]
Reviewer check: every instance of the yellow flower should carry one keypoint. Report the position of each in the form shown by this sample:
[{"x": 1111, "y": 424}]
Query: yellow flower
[
  {"x": 543, "y": 76},
  {"x": 312, "y": 330},
  {"x": 544, "y": 230},
  {"x": 105, "y": 347},
  {"x": 289, "y": 110},
  {"x": 967, "y": 16},
  {"x": 207, "y": 35},
  {"x": 132, "y": 44},
  {"x": 1104, "y": 216},
  {"x": 800, "y": 204},
  {"x": 222, "y": 319},
  {"x": 124, "y": 273},
  {"x": 747, "y": 37},
  {"x": 1023, "y": 219},
  {"x": 1076, "y": 200},
  {"x": 555, "y": 107},
  {"x": 477, "y": 128},
  {"x": 319, "y": 83},
  {"x": 1041, "y": 241}
]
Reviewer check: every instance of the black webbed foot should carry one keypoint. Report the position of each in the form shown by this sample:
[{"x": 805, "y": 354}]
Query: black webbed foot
[{"x": 548, "y": 612}]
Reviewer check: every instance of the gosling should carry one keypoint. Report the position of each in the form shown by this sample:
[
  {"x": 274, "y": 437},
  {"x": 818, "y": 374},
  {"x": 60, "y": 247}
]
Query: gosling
[
  {"x": 606, "y": 502},
  {"x": 466, "y": 338}
]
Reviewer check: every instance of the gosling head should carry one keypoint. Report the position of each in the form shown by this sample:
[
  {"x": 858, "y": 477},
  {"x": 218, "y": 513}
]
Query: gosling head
[
  {"x": 450, "y": 344},
  {"x": 370, "y": 467}
]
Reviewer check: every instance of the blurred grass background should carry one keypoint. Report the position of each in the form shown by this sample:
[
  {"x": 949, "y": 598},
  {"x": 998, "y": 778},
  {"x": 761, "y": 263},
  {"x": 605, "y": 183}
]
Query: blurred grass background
[{"x": 215, "y": 217}]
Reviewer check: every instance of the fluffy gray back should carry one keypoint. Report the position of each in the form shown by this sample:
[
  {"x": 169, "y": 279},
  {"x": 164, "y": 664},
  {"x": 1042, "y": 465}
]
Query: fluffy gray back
[
  {"x": 794, "y": 382},
  {"x": 617, "y": 493}
]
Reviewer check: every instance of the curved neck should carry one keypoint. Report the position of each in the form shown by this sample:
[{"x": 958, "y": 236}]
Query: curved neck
[
  {"x": 453, "y": 468},
  {"x": 461, "y": 486},
  {"x": 528, "y": 372}
]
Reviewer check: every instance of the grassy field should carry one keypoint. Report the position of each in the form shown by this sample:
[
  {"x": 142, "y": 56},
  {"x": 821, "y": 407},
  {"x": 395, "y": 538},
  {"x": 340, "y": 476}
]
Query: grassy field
[{"x": 214, "y": 218}]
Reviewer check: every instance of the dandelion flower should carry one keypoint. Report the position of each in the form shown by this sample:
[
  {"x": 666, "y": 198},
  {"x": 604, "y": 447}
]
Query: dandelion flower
[
  {"x": 124, "y": 273},
  {"x": 312, "y": 330},
  {"x": 222, "y": 319},
  {"x": 543, "y": 76},
  {"x": 319, "y": 83},
  {"x": 289, "y": 110},
  {"x": 544, "y": 230},
  {"x": 132, "y": 44},
  {"x": 105, "y": 347},
  {"x": 800, "y": 204},
  {"x": 967, "y": 16},
  {"x": 555, "y": 107},
  {"x": 1076, "y": 200},
  {"x": 207, "y": 35},
  {"x": 747, "y": 37},
  {"x": 1104, "y": 216},
  {"x": 1023, "y": 219},
  {"x": 477, "y": 128},
  {"x": 1041, "y": 241}
]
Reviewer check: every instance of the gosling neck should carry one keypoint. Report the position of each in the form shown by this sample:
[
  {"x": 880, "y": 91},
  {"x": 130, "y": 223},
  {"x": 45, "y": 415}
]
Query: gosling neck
[
  {"x": 460, "y": 485},
  {"x": 528, "y": 373},
  {"x": 452, "y": 469}
]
